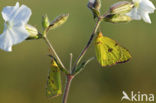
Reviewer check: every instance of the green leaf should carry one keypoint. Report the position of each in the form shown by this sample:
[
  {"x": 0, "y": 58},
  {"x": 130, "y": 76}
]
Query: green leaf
[
  {"x": 109, "y": 52},
  {"x": 80, "y": 67},
  {"x": 54, "y": 86}
]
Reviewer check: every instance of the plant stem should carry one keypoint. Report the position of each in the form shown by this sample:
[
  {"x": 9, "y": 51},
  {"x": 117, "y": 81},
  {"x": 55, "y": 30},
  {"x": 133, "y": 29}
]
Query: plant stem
[
  {"x": 70, "y": 76},
  {"x": 70, "y": 64},
  {"x": 83, "y": 52},
  {"x": 67, "y": 87},
  {"x": 53, "y": 50}
]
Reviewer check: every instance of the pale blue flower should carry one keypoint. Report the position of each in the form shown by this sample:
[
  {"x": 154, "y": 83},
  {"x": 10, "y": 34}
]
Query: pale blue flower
[{"x": 15, "y": 17}]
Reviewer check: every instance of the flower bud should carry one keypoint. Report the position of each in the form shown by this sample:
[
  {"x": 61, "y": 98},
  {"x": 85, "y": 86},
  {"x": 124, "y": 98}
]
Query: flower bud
[
  {"x": 117, "y": 18},
  {"x": 45, "y": 22},
  {"x": 33, "y": 32},
  {"x": 121, "y": 7},
  {"x": 95, "y": 6},
  {"x": 59, "y": 21}
]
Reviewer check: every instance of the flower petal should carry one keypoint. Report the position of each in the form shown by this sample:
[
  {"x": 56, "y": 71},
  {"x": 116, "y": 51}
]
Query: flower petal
[
  {"x": 9, "y": 11},
  {"x": 19, "y": 35},
  {"x": 136, "y": 1},
  {"x": 146, "y": 17},
  {"x": 134, "y": 14},
  {"x": 147, "y": 6},
  {"x": 91, "y": 1},
  {"x": 5, "y": 41},
  {"x": 12, "y": 36},
  {"x": 22, "y": 15}
]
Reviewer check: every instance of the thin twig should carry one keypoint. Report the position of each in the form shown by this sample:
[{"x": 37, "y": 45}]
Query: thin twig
[
  {"x": 87, "y": 45},
  {"x": 53, "y": 50}
]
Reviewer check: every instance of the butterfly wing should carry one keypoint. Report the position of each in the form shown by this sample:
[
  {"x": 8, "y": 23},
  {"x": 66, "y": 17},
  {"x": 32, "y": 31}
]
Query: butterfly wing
[
  {"x": 54, "y": 87},
  {"x": 125, "y": 55},
  {"x": 109, "y": 52}
]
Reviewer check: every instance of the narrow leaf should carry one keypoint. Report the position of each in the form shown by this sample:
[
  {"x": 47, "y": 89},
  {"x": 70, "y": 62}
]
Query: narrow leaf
[{"x": 82, "y": 66}]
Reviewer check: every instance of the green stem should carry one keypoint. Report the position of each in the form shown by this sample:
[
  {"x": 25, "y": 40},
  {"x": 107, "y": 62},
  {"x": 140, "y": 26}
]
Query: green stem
[
  {"x": 83, "y": 52},
  {"x": 70, "y": 77},
  {"x": 67, "y": 87},
  {"x": 53, "y": 50},
  {"x": 70, "y": 64}
]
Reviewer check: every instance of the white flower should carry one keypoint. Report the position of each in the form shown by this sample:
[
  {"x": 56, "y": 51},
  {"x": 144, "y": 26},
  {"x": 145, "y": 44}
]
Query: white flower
[
  {"x": 92, "y": 1},
  {"x": 141, "y": 10},
  {"x": 15, "y": 18}
]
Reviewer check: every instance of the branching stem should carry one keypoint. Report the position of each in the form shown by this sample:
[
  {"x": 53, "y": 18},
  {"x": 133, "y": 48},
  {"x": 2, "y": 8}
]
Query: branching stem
[
  {"x": 70, "y": 77},
  {"x": 83, "y": 52}
]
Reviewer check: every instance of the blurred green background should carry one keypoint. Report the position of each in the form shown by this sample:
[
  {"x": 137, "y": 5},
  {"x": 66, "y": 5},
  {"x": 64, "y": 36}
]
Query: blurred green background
[{"x": 23, "y": 72}]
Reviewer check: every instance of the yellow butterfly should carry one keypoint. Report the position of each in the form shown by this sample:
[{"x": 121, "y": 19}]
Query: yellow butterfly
[
  {"x": 54, "y": 87},
  {"x": 109, "y": 52}
]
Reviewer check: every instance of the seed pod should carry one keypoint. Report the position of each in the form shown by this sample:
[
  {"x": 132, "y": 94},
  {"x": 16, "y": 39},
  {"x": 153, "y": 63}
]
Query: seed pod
[
  {"x": 121, "y": 7},
  {"x": 95, "y": 6}
]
